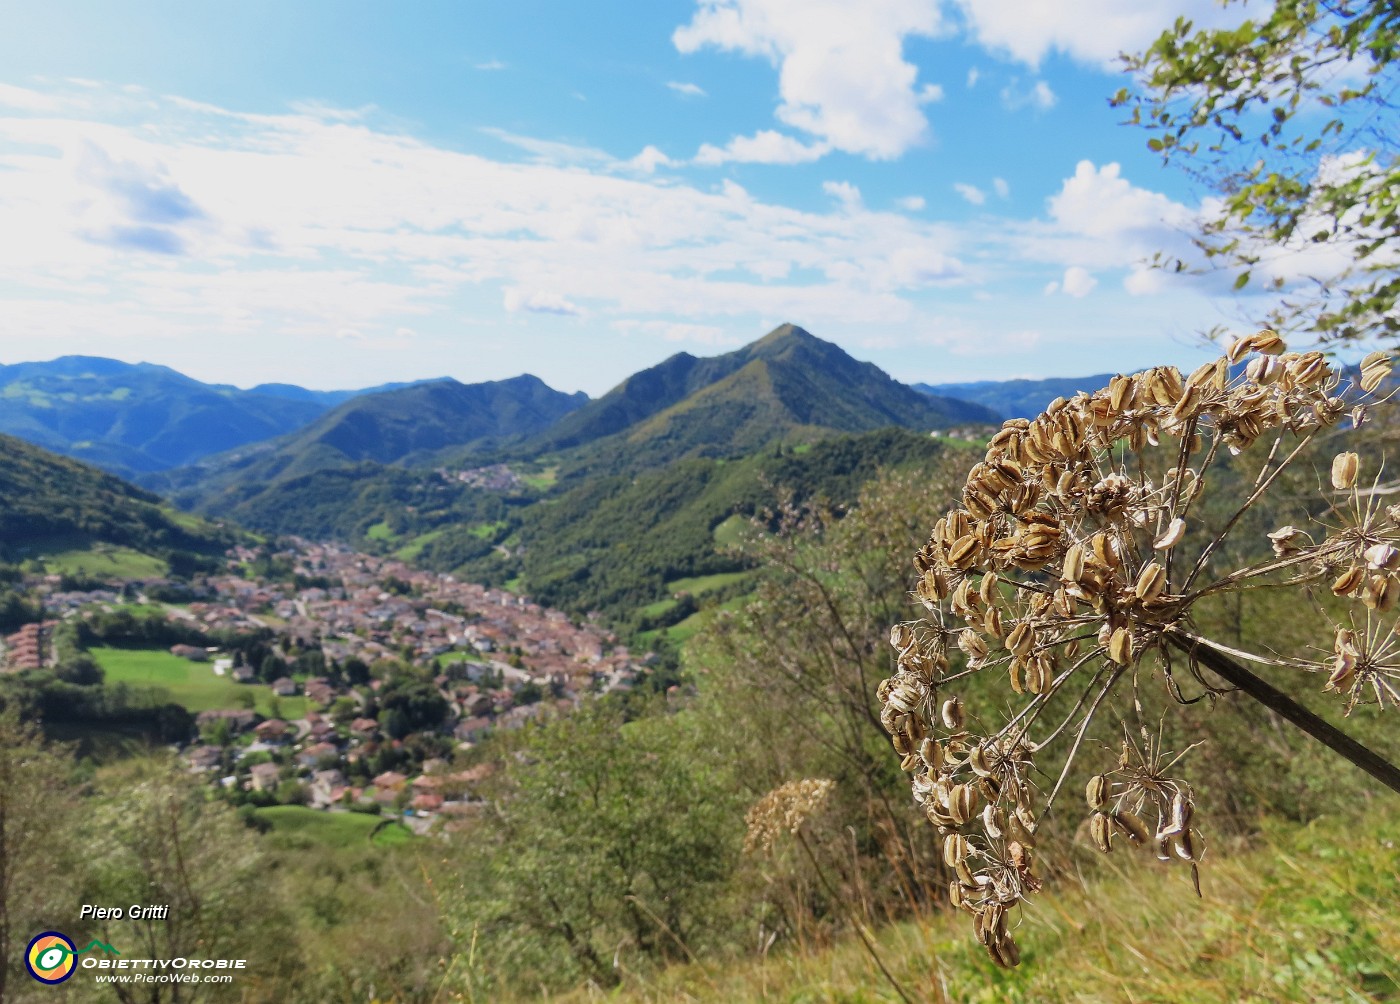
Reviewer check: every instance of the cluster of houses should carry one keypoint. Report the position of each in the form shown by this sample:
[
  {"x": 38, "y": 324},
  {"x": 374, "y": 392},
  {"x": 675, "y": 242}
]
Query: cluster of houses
[
  {"x": 314, "y": 756},
  {"x": 30, "y": 647},
  {"x": 501, "y": 660},
  {"x": 496, "y": 478}
]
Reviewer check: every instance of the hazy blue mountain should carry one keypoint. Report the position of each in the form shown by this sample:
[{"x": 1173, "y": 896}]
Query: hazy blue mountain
[
  {"x": 137, "y": 418},
  {"x": 1016, "y": 398}
]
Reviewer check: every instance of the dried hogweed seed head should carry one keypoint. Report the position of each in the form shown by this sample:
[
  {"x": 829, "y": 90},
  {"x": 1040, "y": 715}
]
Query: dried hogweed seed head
[{"x": 784, "y": 810}]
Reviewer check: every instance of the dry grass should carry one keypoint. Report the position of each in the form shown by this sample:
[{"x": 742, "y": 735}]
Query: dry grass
[{"x": 1304, "y": 914}]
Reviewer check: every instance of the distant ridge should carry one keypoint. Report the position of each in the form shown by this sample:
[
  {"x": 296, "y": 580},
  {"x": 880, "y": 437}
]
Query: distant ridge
[
  {"x": 1016, "y": 398},
  {"x": 135, "y": 418}
]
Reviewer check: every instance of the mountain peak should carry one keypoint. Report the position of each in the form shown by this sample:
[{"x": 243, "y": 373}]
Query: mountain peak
[{"x": 787, "y": 332}]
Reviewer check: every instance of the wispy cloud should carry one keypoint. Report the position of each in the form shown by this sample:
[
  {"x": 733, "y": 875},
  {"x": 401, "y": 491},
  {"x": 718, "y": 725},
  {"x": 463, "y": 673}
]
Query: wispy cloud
[
  {"x": 686, "y": 89},
  {"x": 490, "y": 65},
  {"x": 971, "y": 193}
]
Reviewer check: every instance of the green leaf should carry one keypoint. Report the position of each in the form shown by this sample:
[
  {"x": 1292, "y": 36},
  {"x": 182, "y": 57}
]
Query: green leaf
[{"x": 1242, "y": 280}]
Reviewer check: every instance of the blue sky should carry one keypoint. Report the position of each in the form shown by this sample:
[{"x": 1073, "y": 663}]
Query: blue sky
[{"x": 343, "y": 193}]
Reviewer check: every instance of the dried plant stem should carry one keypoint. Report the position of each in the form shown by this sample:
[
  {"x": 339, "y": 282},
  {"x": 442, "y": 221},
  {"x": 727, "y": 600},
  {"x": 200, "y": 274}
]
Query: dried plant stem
[
  {"x": 855, "y": 921},
  {"x": 1277, "y": 701}
]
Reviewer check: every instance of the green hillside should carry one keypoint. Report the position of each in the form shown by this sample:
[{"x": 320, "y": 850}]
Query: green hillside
[
  {"x": 618, "y": 544},
  {"x": 61, "y": 509},
  {"x": 404, "y": 426}
]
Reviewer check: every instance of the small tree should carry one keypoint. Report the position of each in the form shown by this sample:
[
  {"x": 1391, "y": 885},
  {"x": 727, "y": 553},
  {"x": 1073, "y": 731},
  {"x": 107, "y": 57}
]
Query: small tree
[
  {"x": 1303, "y": 194},
  {"x": 1076, "y": 564}
]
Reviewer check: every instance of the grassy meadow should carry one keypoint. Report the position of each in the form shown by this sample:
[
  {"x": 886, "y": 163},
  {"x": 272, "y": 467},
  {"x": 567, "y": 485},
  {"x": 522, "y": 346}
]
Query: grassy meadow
[{"x": 194, "y": 685}]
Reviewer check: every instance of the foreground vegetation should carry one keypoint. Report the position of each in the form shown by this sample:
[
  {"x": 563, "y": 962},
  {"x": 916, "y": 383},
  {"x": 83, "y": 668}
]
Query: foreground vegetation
[{"x": 1301, "y": 912}]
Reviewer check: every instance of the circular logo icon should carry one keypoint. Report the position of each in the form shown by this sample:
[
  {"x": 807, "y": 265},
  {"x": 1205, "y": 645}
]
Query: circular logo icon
[{"x": 51, "y": 957}]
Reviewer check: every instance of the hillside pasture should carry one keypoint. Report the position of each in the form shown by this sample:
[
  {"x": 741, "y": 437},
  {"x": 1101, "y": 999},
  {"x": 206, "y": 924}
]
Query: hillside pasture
[{"x": 193, "y": 685}]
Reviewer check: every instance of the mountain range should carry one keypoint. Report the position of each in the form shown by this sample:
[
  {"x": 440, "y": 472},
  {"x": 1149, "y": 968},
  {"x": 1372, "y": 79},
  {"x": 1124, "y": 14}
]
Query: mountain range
[
  {"x": 139, "y": 417},
  {"x": 592, "y": 504}
]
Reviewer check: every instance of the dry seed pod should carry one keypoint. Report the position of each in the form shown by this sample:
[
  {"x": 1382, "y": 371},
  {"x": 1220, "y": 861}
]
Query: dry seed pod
[
  {"x": 1344, "y": 470},
  {"x": 1021, "y": 640},
  {"x": 1268, "y": 342},
  {"x": 1005, "y": 953},
  {"x": 972, "y": 644},
  {"x": 1176, "y": 529},
  {"x": 1186, "y": 845},
  {"x": 952, "y": 714},
  {"x": 1101, "y": 831},
  {"x": 1374, "y": 369},
  {"x": 955, "y": 848},
  {"x": 963, "y": 552},
  {"x": 1133, "y": 826},
  {"x": 932, "y": 754},
  {"x": 962, "y": 803},
  {"x": 1181, "y": 810},
  {"x": 1096, "y": 792},
  {"x": 1349, "y": 581},
  {"x": 1120, "y": 646},
  {"x": 1150, "y": 582},
  {"x": 991, "y": 821},
  {"x": 955, "y": 895},
  {"x": 1382, "y": 556},
  {"x": 977, "y": 760}
]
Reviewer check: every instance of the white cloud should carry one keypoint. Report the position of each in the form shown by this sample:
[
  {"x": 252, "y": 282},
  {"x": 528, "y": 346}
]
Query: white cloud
[
  {"x": 490, "y": 64},
  {"x": 764, "y": 147},
  {"x": 842, "y": 75},
  {"x": 1002, "y": 189},
  {"x": 649, "y": 160},
  {"x": 913, "y": 203},
  {"x": 1099, "y": 202},
  {"x": 971, "y": 193},
  {"x": 1039, "y": 96},
  {"x": 538, "y": 302},
  {"x": 687, "y": 89},
  {"x": 1090, "y": 31},
  {"x": 972, "y": 76},
  {"x": 844, "y": 192},
  {"x": 1078, "y": 282},
  {"x": 296, "y": 226}
]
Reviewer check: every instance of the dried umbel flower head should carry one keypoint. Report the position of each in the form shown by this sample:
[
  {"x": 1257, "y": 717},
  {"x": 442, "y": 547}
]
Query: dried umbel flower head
[
  {"x": 1071, "y": 563},
  {"x": 784, "y": 810}
]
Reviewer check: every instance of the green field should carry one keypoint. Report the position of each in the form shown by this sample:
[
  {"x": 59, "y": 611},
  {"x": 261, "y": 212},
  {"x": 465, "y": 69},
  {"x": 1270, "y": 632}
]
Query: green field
[
  {"x": 380, "y": 531},
  {"x": 192, "y": 685},
  {"x": 106, "y": 561},
  {"x": 411, "y": 550},
  {"x": 682, "y": 632},
  {"x": 731, "y": 531},
  {"x": 332, "y": 829},
  {"x": 542, "y": 481},
  {"x": 701, "y": 584},
  {"x": 658, "y": 608}
]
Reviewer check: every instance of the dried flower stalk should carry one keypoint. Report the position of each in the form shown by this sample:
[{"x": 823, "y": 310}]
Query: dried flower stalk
[{"x": 1069, "y": 567}]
